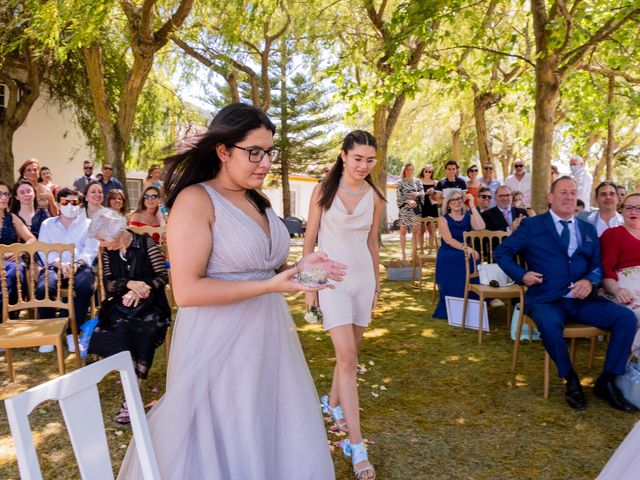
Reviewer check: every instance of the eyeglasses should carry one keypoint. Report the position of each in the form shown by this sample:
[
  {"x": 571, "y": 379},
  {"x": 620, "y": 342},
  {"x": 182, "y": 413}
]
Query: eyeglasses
[
  {"x": 473, "y": 170},
  {"x": 148, "y": 196},
  {"x": 257, "y": 154},
  {"x": 5, "y": 194},
  {"x": 64, "y": 201},
  {"x": 631, "y": 208},
  {"x": 486, "y": 197},
  {"x": 487, "y": 168},
  {"x": 504, "y": 196}
]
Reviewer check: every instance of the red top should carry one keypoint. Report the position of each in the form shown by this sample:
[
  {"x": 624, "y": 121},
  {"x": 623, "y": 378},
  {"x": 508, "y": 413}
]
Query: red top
[
  {"x": 155, "y": 236},
  {"x": 619, "y": 249}
]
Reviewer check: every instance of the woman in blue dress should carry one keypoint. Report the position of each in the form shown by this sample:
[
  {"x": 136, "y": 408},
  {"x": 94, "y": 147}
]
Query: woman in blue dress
[{"x": 459, "y": 217}]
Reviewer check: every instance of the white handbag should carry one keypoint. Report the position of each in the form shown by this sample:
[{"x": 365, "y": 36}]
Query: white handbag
[{"x": 490, "y": 273}]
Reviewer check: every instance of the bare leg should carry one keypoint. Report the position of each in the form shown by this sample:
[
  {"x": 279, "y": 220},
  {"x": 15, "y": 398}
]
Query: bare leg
[
  {"x": 421, "y": 237},
  {"x": 432, "y": 237},
  {"x": 346, "y": 342},
  {"x": 403, "y": 241}
]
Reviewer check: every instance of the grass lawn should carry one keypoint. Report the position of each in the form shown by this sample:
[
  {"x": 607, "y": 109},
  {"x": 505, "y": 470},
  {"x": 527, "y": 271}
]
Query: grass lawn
[{"x": 435, "y": 405}]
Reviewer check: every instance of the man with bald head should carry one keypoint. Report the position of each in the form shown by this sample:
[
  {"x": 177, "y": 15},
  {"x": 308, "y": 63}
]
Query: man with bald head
[{"x": 562, "y": 255}]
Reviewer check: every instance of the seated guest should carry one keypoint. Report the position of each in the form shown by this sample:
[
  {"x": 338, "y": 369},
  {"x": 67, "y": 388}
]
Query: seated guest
[
  {"x": 25, "y": 206},
  {"x": 579, "y": 207},
  {"x": 620, "y": 248},
  {"x": 606, "y": 216},
  {"x": 117, "y": 201},
  {"x": 503, "y": 217},
  {"x": 11, "y": 230},
  {"x": 69, "y": 227},
  {"x": 148, "y": 212},
  {"x": 459, "y": 216},
  {"x": 136, "y": 313},
  {"x": 517, "y": 200},
  {"x": 484, "y": 199},
  {"x": 30, "y": 171},
  {"x": 563, "y": 259}
]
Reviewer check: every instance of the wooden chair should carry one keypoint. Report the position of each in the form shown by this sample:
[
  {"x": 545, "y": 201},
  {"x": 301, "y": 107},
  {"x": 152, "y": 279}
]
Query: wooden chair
[
  {"x": 77, "y": 394},
  {"x": 572, "y": 331},
  {"x": 484, "y": 242},
  {"x": 32, "y": 331},
  {"x": 418, "y": 255}
]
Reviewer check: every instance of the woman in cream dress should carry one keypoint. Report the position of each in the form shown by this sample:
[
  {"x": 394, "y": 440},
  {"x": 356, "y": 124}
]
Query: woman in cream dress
[
  {"x": 344, "y": 217},
  {"x": 240, "y": 402}
]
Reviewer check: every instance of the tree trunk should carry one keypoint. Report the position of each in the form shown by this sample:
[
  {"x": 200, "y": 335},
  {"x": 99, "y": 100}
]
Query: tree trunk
[
  {"x": 456, "y": 148},
  {"x": 284, "y": 133},
  {"x": 608, "y": 149},
  {"x": 547, "y": 98},
  {"x": 7, "y": 173},
  {"x": 379, "y": 173},
  {"x": 482, "y": 103}
]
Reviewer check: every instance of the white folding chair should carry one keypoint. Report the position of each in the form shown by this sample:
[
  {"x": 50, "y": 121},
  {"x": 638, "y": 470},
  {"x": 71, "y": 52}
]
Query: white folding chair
[{"x": 77, "y": 394}]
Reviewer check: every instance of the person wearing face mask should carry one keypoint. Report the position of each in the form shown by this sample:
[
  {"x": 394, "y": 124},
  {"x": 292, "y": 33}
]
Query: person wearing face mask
[
  {"x": 68, "y": 227},
  {"x": 583, "y": 179}
]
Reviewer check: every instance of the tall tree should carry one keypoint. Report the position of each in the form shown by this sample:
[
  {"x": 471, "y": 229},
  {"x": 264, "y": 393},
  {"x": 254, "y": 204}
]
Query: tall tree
[
  {"x": 116, "y": 118},
  {"x": 565, "y": 32},
  {"x": 22, "y": 67}
]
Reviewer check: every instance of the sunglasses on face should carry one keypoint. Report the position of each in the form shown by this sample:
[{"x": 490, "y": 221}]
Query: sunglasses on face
[
  {"x": 150, "y": 196},
  {"x": 473, "y": 170},
  {"x": 487, "y": 168},
  {"x": 486, "y": 197},
  {"x": 5, "y": 194},
  {"x": 88, "y": 168},
  {"x": 519, "y": 166},
  {"x": 64, "y": 202},
  {"x": 107, "y": 168}
]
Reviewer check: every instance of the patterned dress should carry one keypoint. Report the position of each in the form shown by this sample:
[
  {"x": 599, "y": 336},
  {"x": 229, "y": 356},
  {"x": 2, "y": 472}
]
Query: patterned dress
[{"x": 406, "y": 188}]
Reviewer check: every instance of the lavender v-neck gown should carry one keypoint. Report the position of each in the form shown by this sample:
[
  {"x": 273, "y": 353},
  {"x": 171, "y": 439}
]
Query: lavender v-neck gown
[{"x": 240, "y": 402}]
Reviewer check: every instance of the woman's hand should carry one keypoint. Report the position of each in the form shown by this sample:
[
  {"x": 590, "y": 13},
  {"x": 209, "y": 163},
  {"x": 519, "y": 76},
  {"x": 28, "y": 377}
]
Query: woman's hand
[
  {"x": 130, "y": 299},
  {"x": 311, "y": 299},
  {"x": 140, "y": 288},
  {"x": 412, "y": 203},
  {"x": 623, "y": 296},
  {"x": 334, "y": 270},
  {"x": 468, "y": 199},
  {"x": 284, "y": 282}
]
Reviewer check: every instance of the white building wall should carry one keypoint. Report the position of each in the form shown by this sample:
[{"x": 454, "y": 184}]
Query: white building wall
[{"x": 51, "y": 136}]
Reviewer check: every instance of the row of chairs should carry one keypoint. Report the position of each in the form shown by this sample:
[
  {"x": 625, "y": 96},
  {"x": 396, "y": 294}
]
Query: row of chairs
[
  {"x": 484, "y": 242},
  {"x": 30, "y": 330}
]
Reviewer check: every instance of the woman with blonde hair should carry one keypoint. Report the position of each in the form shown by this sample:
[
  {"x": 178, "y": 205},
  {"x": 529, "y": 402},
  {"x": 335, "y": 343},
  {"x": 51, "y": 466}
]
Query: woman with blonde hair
[
  {"x": 409, "y": 192},
  {"x": 30, "y": 170},
  {"x": 459, "y": 216}
]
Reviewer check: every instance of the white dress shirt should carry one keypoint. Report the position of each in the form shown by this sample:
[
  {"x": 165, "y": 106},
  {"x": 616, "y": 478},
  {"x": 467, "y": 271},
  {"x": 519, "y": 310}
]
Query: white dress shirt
[{"x": 53, "y": 231}]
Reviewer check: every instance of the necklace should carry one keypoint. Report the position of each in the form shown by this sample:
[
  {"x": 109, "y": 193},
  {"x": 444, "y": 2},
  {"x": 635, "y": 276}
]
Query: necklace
[{"x": 352, "y": 193}]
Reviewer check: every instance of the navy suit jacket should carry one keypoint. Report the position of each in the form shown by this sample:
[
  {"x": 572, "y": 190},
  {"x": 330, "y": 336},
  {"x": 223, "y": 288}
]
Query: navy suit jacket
[
  {"x": 495, "y": 221},
  {"x": 538, "y": 243}
]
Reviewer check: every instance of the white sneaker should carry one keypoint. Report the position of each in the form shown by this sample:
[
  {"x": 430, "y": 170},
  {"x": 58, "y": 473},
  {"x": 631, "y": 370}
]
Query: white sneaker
[
  {"x": 70, "y": 346},
  {"x": 46, "y": 349}
]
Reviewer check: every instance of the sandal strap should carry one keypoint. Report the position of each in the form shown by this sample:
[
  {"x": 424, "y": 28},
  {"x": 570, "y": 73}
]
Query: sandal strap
[
  {"x": 356, "y": 451},
  {"x": 335, "y": 412},
  {"x": 361, "y": 471}
]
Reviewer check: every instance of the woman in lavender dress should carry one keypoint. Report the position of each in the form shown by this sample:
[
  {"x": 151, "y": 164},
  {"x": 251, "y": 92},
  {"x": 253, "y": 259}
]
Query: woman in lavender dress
[{"x": 240, "y": 402}]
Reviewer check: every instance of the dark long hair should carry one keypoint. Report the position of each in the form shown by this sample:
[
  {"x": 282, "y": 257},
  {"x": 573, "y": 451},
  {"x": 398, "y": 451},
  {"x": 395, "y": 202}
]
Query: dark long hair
[
  {"x": 15, "y": 203},
  {"x": 86, "y": 190},
  {"x": 200, "y": 162},
  {"x": 140, "y": 207},
  {"x": 331, "y": 182}
]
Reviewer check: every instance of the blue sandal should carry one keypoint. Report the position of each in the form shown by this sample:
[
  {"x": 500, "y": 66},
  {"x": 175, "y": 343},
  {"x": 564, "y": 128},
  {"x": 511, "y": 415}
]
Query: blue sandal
[
  {"x": 336, "y": 413},
  {"x": 358, "y": 453}
]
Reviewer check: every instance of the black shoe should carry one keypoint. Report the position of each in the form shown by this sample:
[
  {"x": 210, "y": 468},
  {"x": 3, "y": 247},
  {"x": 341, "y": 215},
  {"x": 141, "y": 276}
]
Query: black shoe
[
  {"x": 608, "y": 391},
  {"x": 574, "y": 395}
]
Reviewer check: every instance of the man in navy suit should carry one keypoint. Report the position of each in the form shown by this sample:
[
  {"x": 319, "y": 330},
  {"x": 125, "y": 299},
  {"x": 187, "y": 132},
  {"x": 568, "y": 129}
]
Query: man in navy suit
[
  {"x": 503, "y": 216},
  {"x": 562, "y": 254}
]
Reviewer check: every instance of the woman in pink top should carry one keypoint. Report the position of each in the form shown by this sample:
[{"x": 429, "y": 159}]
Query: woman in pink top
[{"x": 620, "y": 247}]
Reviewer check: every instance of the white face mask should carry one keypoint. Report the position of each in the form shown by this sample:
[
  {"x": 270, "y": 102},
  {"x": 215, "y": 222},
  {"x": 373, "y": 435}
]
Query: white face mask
[{"x": 69, "y": 211}]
